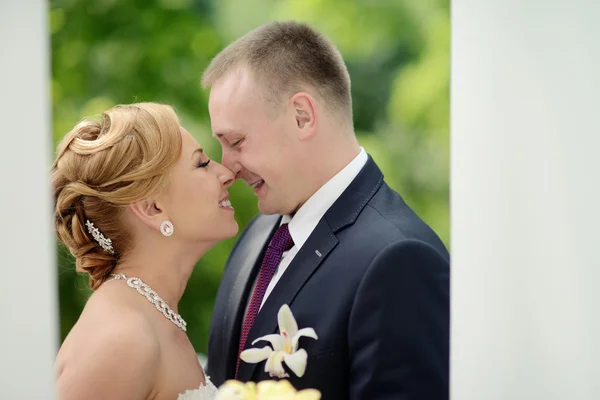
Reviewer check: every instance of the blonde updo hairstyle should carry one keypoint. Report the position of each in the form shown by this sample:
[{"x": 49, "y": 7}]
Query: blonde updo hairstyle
[{"x": 103, "y": 166}]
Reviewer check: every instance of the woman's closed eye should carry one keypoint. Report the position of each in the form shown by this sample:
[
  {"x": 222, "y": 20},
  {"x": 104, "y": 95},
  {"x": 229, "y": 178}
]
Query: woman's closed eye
[{"x": 203, "y": 164}]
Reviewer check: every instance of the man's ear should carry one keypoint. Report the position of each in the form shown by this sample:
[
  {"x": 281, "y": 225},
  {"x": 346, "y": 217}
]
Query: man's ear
[
  {"x": 148, "y": 212},
  {"x": 305, "y": 113}
]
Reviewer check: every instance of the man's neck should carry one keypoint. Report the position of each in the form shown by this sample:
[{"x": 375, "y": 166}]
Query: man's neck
[{"x": 326, "y": 171}]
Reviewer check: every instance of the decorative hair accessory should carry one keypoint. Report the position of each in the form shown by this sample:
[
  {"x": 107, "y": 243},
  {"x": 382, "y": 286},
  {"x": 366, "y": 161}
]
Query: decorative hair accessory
[
  {"x": 166, "y": 228},
  {"x": 105, "y": 243}
]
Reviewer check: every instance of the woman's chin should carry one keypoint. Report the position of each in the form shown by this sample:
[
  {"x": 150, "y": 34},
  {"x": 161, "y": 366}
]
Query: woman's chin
[
  {"x": 217, "y": 230},
  {"x": 230, "y": 222},
  {"x": 227, "y": 230},
  {"x": 235, "y": 228}
]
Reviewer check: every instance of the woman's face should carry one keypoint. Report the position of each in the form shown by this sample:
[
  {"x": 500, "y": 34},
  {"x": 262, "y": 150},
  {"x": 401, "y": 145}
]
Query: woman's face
[{"x": 196, "y": 200}]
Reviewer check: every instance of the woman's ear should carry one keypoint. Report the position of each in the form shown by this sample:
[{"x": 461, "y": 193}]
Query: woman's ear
[{"x": 148, "y": 212}]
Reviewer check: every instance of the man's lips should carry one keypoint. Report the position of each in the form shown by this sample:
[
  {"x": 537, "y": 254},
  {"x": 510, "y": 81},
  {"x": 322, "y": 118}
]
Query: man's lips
[{"x": 256, "y": 184}]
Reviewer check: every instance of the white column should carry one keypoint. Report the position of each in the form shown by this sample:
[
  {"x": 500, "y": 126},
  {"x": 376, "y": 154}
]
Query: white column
[
  {"x": 28, "y": 287},
  {"x": 525, "y": 200}
]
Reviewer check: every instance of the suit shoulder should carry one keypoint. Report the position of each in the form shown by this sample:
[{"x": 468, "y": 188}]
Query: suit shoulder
[
  {"x": 395, "y": 220},
  {"x": 409, "y": 252}
]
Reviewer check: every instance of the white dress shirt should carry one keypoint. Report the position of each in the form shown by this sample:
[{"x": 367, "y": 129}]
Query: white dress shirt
[{"x": 302, "y": 224}]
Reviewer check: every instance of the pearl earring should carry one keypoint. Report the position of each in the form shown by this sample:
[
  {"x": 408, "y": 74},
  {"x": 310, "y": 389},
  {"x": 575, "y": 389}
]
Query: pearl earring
[{"x": 166, "y": 228}]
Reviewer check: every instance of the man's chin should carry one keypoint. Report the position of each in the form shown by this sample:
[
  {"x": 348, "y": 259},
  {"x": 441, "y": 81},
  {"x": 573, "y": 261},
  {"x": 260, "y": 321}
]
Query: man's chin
[{"x": 266, "y": 209}]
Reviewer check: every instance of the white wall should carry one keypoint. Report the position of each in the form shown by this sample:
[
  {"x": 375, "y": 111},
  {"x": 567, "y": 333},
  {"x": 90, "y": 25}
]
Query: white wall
[
  {"x": 28, "y": 327},
  {"x": 525, "y": 199}
]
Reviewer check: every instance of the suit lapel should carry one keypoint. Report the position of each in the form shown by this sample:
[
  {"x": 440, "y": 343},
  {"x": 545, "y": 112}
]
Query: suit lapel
[
  {"x": 246, "y": 257},
  {"x": 305, "y": 263}
]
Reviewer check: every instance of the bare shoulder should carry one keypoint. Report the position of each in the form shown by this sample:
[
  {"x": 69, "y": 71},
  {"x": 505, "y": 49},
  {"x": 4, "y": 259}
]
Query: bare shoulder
[
  {"x": 112, "y": 352},
  {"x": 114, "y": 313}
]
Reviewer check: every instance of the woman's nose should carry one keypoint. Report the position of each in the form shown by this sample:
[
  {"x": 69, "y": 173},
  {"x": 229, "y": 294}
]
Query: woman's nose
[{"x": 226, "y": 176}]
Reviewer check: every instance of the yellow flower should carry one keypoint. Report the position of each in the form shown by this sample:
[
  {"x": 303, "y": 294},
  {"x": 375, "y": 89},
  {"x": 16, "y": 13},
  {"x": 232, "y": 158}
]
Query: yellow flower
[
  {"x": 236, "y": 390},
  {"x": 285, "y": 347},
  {"x": 265, "y": 390}
]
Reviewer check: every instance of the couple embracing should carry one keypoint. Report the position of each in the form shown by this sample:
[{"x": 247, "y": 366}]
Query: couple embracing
[{"x": 335, "y": 255}]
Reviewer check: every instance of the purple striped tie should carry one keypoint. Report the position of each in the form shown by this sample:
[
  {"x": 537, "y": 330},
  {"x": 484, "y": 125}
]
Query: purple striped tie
[{"x": 279, "y": 244}]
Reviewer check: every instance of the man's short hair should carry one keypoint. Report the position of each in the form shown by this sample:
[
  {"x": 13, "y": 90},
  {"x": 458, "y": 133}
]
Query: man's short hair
[{"x": 284, "y": 58}]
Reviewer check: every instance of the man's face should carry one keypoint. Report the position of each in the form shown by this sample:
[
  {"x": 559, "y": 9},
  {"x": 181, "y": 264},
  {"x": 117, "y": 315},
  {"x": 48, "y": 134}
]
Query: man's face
[{"x": 258, "y": 142}]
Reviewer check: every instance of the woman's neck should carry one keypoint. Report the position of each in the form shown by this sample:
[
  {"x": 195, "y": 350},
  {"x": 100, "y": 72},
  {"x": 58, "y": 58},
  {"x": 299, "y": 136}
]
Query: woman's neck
[{"x": 165, "y": 270}]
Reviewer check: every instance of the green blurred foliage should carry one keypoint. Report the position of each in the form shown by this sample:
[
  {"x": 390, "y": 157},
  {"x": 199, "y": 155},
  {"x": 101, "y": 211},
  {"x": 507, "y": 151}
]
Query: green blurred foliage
[{"x": 109, "y": 52}]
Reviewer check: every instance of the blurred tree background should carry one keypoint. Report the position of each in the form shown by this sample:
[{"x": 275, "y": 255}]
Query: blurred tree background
[{"x": 107, "y": 52}]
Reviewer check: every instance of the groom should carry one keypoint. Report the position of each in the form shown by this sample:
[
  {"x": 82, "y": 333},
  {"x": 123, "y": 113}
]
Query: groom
[{"x": 333, "y": 241}]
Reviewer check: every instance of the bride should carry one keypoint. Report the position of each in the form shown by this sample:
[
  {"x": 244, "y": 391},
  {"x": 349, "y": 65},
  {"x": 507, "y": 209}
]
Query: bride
[{"x": 137, "y": 203}]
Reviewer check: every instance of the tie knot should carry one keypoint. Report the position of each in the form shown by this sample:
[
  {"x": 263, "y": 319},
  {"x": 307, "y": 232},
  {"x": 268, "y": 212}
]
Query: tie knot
[{"x": 282, "y": 240}]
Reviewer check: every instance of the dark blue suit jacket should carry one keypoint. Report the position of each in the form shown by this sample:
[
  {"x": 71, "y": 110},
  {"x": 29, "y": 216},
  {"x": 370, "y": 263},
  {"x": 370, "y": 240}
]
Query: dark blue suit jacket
[{"x": 372, "y": 280}]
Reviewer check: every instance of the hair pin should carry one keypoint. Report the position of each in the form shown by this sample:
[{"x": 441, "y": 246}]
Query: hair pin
[{"x": 104, "y": 242}]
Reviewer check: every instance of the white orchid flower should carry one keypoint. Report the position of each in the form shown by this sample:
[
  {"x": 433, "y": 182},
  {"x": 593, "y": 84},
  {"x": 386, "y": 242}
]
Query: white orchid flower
[{"x": 284, "y": 347}]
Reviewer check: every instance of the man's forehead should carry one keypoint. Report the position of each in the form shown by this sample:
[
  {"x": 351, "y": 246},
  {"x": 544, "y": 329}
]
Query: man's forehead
[
  {"x": 234, "y": 85},
  {"x": 233, "y": 113}
]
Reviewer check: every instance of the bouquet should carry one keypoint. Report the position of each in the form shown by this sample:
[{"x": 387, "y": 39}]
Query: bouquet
[{"x": 265, "y": 390}]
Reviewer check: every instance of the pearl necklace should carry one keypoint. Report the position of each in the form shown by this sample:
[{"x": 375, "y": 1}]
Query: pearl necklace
[{"x": 153, "y": 297}]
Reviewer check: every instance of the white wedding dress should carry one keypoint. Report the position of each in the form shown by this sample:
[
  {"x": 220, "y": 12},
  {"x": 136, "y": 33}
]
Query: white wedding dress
[{"x": 207, "y": 391}]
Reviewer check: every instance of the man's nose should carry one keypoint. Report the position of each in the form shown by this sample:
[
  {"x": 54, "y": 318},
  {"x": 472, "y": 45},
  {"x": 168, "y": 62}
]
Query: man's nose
[{"x": 230, "y": 160}]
